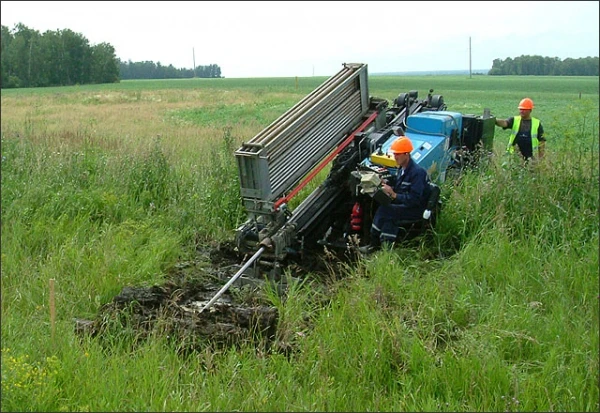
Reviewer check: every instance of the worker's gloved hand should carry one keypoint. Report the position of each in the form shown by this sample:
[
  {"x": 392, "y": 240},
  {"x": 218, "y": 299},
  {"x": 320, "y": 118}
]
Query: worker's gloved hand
[{"x": 387, "y": 189}]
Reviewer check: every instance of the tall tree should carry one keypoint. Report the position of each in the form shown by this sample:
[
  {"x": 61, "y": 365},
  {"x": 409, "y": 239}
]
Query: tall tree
[
  {"x": 104, "y": 64},
  {"x": 541, "y": 66},
  {"x": 56, "y": 58}
]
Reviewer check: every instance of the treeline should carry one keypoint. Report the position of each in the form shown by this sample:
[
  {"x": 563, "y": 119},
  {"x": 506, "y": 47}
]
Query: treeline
[
  {"x": 66, "y": 58},
  {"x": 150, "y": 70},
  {"x": 55, "y": 58},
  {"x": 545, "y": 66}
]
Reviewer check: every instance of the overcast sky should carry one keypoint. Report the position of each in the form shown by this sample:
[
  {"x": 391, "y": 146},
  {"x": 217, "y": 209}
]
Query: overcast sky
[{"x": 285, "y": 38}]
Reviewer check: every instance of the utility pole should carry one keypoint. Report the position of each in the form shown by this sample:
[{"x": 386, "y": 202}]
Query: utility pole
[
  {"x": 470, "y": 57},
  {"x": 194, "y": 59}
]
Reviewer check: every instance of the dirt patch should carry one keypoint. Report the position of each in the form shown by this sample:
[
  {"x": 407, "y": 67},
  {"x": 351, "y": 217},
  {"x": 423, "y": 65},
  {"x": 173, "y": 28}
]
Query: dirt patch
[{"x": 242, "y": 314}]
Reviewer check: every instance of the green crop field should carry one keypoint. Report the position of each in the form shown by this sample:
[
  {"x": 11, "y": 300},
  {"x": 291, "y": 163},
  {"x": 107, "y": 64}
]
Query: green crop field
[{"x": 106, "y": 186}]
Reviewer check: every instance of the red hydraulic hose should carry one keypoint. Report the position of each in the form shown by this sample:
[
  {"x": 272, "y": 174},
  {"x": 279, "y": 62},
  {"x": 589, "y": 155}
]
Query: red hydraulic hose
[{"x": 325, "y": 161}]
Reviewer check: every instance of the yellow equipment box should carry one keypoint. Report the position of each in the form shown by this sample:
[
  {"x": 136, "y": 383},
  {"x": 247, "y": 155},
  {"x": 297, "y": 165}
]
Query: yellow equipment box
[{"x": 383, "y": 160}]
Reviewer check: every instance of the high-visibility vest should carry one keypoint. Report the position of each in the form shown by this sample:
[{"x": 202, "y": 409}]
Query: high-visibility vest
[{"x": 535, "y": 143}]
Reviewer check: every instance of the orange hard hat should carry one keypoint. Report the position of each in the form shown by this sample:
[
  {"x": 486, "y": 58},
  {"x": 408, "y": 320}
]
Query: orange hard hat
[
  {"x": 526, "y": 104},
  {"x": 401, "y": 145}
]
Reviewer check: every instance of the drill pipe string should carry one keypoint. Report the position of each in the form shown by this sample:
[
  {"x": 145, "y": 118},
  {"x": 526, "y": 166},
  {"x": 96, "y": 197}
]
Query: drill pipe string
[{"x": 235, "y": 277}]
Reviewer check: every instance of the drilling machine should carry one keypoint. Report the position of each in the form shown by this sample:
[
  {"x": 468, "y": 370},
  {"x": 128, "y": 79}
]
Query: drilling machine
[{"x": 341, "y": 127}]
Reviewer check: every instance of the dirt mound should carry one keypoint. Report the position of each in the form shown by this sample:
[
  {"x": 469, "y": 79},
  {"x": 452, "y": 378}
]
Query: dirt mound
[{"x": 242, "y": 314}]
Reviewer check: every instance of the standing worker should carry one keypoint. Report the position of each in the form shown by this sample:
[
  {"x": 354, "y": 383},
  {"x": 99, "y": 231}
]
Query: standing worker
[
  {"x": 526, "y": 133},
  {"x": 409, "y": 192}
]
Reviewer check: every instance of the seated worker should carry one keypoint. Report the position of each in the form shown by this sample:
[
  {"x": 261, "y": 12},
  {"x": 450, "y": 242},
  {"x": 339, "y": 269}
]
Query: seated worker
[{"x": 409, "y": 191}]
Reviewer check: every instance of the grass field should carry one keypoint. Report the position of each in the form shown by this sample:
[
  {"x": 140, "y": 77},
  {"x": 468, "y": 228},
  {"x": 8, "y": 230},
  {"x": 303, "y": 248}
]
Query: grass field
[{"x": 111, "y": 185}]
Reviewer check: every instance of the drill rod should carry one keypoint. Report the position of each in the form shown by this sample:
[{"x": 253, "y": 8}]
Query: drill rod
[{"x": 235, "y": 277}]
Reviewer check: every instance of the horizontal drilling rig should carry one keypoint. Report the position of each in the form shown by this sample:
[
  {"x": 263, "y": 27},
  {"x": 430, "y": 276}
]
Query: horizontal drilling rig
[{"x": 343, "y": 130}]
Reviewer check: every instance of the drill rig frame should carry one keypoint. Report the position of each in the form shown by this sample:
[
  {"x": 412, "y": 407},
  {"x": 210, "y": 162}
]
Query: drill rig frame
[{"x": 338, "y": 125}]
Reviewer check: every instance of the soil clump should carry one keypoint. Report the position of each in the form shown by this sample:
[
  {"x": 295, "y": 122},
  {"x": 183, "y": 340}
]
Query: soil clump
[{"x": 242, "y": 314}]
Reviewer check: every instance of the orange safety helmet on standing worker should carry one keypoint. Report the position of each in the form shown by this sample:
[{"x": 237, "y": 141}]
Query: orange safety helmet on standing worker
[
  {"x": 526, "y": 104},
  {"x": 401, "y": 145}
]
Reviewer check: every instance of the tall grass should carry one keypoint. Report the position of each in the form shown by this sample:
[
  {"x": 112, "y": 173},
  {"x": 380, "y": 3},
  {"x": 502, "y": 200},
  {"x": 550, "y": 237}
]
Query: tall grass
[{"x": 109, "y": 186}]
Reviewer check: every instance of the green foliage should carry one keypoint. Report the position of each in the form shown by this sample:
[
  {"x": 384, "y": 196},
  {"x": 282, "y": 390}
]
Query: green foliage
[
  {"x": 255, "y": 113},
  {"x": 496, "y": 311},
  {"x": 26, "y": 383},
  {"x": 518, "y": 200},
  {"x": 545, "y": 66},
  {"x": 149, "y": 178},
  {"x": 220, "y": 198},
  {"x": 54, "y": 58},
  {"x": 151, "y": 70}
]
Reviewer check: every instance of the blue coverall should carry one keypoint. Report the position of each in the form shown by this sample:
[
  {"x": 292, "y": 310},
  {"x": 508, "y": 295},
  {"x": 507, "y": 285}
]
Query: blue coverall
[{"x": 412, "y": 191}]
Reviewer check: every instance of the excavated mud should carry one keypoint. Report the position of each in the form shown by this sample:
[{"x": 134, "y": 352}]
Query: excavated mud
[{"x": 242, "y": 314}]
